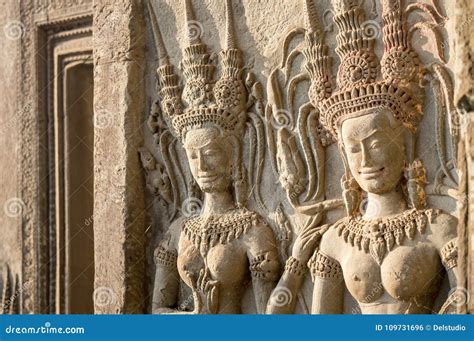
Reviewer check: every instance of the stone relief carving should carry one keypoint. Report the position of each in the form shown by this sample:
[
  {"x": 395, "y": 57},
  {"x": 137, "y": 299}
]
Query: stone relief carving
[
  {"x": 390, "y": 251},
  {"x": 216, "y": 245},
  {"x": 390, "y": 254}
]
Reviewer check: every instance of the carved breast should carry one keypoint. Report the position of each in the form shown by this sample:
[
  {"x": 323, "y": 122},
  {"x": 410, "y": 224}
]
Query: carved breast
[
  {"x": 218, "y": 238},
  {"x": 362, "y": 277},
  {"x": 190, "y": 262},
  {"x": 406, "y": 272},
  {"x": 227, "y": 263}
]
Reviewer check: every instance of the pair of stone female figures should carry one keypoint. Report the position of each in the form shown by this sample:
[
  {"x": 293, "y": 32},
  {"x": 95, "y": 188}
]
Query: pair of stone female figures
[{"x": 391, "y": 259}]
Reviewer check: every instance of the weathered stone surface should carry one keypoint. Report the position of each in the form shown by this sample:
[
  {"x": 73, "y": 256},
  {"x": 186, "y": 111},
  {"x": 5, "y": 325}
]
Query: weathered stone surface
[
  {"x": 291, "y": 146},
  {"x": 119, "y": 226},
  {"x": 150, "y": 217},
  {"x": 11, "y": 203}
]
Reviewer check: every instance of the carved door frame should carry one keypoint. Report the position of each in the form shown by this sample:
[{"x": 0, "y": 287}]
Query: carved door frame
[{"x": 39, "y": 229}]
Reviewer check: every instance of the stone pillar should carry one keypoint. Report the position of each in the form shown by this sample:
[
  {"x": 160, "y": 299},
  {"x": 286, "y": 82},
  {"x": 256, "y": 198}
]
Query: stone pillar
[
  {"x": 119, "y": 211},
  {"x": 463, "y": 51},
  {"x": 466, "y": 221}
]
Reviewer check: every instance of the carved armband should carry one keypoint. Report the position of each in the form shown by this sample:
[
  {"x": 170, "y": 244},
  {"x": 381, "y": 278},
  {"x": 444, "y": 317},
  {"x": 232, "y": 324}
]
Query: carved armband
[
  {"x": 322, "y": 266},
  {"x": 165, "y": 257},
  {"x": 295, "y": 267},
  {"x": 265, "y": 266},
  {"x": 449, "y": 254}
]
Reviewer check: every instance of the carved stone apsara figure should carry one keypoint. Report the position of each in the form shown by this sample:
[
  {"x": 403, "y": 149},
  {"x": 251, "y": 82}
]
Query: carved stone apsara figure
[
  {"x": 391, "y": 250},
  {"x": 218, "y": 251}
]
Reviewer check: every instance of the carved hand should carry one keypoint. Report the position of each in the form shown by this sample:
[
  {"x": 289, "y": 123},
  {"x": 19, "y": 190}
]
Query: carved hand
[
  {"x": 209, "y": 289},
  {"x": 452, "y": 303},
  {"x": 290, "y": 165},
  {"x": 307, "y": 240}
]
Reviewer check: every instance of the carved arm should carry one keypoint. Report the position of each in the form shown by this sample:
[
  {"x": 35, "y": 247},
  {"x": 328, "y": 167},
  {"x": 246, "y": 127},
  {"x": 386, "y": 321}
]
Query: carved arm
[
  {"x": 444, "y": 236},
  {"x": 284, "y": 297},
  {"x": 167, "y": 280},
  {"x": 328, "y": 290},
  {"x": 264, "y": 265},
  {"x": 166, "y": 288}
]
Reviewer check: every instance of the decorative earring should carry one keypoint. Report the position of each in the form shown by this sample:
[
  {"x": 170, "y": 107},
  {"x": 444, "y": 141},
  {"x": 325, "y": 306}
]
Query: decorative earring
[
  {"x": 415, "y": 174},
  {"x": 239, "y": 187},
  {"x": 351, "y": 193},
  {"x": 193, "y": 189}
]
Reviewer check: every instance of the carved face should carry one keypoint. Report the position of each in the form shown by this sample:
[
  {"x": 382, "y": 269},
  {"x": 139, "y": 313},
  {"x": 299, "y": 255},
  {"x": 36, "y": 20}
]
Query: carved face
[
  {"x": 374, "y": 146},
  {"x": 210, "y": 159}
]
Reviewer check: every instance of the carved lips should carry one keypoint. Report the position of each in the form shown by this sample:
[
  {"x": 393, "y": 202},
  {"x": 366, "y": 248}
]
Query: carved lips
[
  {"x": 208, "y": 178},
  {"x": 371, "y": 173}
]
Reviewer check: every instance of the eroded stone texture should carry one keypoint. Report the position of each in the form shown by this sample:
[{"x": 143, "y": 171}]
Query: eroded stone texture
[
  {"x": 395, "y": 229},
  {"x": 242, "y": 178},
  {"x": 219, "y": 245},
  {"x": 11, "y": 204},
  {"x": 119, "y": 226},
  {"x": 463, "y": 94}
]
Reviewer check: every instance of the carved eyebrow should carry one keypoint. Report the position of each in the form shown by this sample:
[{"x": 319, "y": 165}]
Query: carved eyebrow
[
  {"x": 370, "y": 134},
  {"x": 194, "y": 147},
  {"x": 354, "y": 137}
]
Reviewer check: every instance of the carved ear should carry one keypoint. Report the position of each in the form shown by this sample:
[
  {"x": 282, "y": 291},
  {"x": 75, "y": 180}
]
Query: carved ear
[
  {"x": 238, "y": 171},
  {"x": 351, "y": 192}
]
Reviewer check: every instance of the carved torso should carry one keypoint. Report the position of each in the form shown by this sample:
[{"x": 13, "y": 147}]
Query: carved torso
[
  {"x": 402, "y": 276},
  {"x": 408, "y": 273},
  {"x": 215, "y": 257},
  {"x": 225, "y": 264}
]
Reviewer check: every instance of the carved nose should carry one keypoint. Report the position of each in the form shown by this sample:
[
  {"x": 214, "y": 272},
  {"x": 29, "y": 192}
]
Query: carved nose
[
  {"x": 366, "y": 161},
  {"x": 202, "y": 164}
]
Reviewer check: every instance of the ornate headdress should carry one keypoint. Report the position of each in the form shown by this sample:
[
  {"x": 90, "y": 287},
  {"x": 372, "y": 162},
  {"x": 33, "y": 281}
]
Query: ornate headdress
[
  {"x": 359, "y": 88},
  {"x": 202, "y": 101}
]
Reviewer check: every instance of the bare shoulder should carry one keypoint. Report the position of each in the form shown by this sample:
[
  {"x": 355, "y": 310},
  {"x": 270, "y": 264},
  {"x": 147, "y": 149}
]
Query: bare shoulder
[
  {"x": 260, "y": 234},
  {"x": 443, "y": 227},
  {"x": 171, "y": 237},
  {"x": 329, "y": 244}
]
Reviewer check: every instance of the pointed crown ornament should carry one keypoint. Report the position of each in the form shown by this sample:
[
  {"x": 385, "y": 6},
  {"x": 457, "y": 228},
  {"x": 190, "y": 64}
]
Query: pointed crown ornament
[
  {"x": 203, "y": 101},
  {"x": 359, "y": 87}
]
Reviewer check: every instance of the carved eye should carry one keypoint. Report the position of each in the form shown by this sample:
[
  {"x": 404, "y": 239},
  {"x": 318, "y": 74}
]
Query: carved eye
[
  {"x": 210, "y": 152},
  {"x": 354, "y": 149},
  {"x": 375, "y": 145}
]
